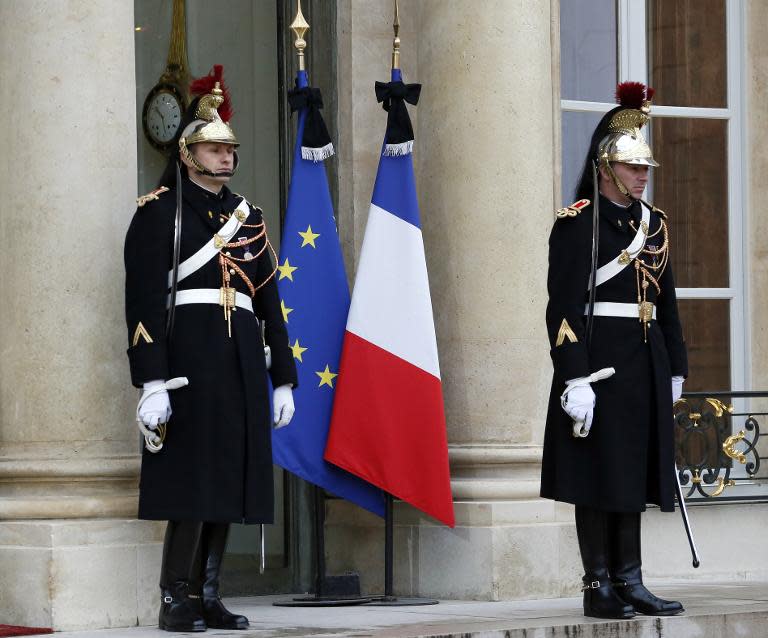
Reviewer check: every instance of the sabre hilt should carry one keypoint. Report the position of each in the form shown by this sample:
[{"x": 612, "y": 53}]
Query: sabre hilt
[{"x": 153, "y": 440}]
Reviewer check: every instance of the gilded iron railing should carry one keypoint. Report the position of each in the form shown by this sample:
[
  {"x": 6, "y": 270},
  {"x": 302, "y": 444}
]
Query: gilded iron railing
[{"x": 707, "y": 450}]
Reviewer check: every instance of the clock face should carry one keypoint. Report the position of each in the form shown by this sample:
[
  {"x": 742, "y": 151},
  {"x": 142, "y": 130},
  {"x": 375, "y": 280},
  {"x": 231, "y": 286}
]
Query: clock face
[{"x": 163, "y": 116}]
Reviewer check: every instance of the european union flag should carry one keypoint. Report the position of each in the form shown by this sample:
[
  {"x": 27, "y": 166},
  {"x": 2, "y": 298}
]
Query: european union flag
[{"x": 315, "y": 299}]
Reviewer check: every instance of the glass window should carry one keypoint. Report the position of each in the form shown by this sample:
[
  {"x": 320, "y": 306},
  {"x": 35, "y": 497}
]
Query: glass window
[
  {"x": 707, "y": 329},
  {"x": 691, "y": 185},
  {"x": 687, "y": 48},
  {"x": 588, "y": 66},
  {"x": 249, "y": 30},
  {"x": 577, "y": 133}
]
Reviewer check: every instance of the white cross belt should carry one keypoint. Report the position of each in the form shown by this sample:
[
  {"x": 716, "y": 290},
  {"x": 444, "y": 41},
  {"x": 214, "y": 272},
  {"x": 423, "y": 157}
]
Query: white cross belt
[
  {"x": 625, "y": 257},
  {"x": 212, "y": 247}
]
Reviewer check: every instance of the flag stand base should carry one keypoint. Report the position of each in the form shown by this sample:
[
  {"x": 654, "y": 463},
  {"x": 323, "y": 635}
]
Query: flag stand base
[
  {"x": 395, "y": 601},
  {"x": 330, "y": 591},
  {"x": 321, "y": 601}
]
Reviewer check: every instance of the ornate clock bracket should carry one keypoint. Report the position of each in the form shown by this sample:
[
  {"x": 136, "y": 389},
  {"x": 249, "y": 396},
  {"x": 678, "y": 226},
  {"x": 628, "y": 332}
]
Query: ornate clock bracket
[
  {"x": 177, "y": 66},
  {"x": 170, "y": 95}
]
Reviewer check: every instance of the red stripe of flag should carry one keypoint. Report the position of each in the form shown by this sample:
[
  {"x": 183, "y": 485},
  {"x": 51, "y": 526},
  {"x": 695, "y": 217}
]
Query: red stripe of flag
[{"x": 388, "y": 427}]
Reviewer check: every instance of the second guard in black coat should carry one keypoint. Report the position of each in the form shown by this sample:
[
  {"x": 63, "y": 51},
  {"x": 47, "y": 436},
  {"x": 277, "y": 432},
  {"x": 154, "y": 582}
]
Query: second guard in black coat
[
  {"x": 214, "y": 466},
  {"x": 609, "y": 445}
]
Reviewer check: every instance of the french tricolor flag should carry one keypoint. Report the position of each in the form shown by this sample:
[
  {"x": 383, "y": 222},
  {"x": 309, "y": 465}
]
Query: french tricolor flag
[{"x": 388, "y": 422}]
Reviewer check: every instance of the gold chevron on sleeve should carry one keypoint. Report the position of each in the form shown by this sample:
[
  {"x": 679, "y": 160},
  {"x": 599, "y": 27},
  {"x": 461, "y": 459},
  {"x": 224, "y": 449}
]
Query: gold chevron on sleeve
[
  {"x": 141, "y": 333},
  {"x": 564, "y": 333}
]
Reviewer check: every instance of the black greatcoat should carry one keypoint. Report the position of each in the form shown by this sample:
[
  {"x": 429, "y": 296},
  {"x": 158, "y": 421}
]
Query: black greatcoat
[
  {"x": 628, "y": 458},
  {"x": 216, "y": 463}
]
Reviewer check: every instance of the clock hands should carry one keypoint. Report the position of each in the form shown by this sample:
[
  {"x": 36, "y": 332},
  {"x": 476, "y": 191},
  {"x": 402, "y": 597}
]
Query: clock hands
[{"x": 160, "y": 113}]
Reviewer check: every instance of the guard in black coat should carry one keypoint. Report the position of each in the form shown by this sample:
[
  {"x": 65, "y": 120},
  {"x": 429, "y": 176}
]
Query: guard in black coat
[
  {"x": 214, "y": 462},
  {"x": 608, "y": 445}
]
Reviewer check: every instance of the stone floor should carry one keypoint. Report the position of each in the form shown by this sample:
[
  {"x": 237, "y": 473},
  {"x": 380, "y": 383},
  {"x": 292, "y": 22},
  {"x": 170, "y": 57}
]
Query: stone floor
[{"x": 712, "y": 611}]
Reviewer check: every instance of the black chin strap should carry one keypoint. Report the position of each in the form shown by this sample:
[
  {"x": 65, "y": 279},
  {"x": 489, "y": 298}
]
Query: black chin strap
[{"x": 208, "y": 173}]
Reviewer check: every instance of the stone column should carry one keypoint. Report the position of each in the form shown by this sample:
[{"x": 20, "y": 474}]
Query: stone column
[
  {"x": 486, "y": 166},
  {"x": 486, "y": 162},
  {"x": 69, "y": 548}
]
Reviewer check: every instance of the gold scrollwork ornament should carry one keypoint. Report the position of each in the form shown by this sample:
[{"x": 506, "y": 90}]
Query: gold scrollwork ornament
[
  {"x": 721, "y": 484},
  {"x": 729, "y": 447}
]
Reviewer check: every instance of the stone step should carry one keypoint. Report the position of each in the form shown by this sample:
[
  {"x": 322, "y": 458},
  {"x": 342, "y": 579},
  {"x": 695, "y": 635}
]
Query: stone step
[{"x": 712, "y": 611}]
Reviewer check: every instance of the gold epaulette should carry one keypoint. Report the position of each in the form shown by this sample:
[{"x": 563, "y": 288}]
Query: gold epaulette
[
  {"x": 572, "y": 210},
  {"x": 155, "y": 194},
  {"x": 659, "y": 211}
]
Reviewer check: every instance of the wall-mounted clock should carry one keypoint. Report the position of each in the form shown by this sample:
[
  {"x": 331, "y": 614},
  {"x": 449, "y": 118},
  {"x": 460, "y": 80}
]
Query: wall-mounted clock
[{"x": 161, "y": 117}]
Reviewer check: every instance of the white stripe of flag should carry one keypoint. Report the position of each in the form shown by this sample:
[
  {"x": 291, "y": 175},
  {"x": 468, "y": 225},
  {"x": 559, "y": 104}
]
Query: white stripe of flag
[{"x": 391, "y": 306}]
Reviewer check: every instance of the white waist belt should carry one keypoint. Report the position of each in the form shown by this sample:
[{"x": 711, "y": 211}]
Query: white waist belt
[
  {"x": 611, "y": 309},
  {"x": 212, "y": 296}
]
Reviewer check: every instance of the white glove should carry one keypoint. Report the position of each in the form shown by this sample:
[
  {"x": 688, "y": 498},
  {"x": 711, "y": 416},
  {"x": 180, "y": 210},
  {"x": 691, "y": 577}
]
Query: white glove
[
  {"x": 578, "y": 401},
  {"x": 157, "y": 408},
  {"x": 677, "y": 388},
  {"x": 282, "y": 403}
]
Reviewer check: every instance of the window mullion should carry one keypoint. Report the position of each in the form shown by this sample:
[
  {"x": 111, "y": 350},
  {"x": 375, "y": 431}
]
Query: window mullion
[
  {"x": 657, "y": 111},
  {"x": 633, "y": 41},
  {"x": 738, "y": 246},
  {"x": 705, "y": 293},
  {"x": 580, "y": 105}
]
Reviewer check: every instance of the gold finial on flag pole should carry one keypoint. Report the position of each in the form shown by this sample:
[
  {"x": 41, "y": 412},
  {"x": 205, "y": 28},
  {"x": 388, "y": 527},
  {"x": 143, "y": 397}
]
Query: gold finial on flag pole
[
  {"x": 396, "y": 41},
  {"x": 299, "y": 26}
]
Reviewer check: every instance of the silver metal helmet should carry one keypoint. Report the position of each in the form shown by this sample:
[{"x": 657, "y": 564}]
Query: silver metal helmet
[{"x": 624, "y": 142}]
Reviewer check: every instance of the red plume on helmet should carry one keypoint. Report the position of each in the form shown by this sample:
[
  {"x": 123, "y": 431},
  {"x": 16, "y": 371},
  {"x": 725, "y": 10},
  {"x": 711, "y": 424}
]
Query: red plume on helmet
[
  {"x": 631, "y": 95},
  {"x": 205, "y": 84}
]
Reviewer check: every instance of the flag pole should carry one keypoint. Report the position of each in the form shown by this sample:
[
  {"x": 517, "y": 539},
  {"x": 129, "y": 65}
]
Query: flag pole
[
  {"x": 345, "y": 589},
  {"x": 388, "y": 550},
  {"x": 300, "y": 26},
  {"x": 396, "y": 40},
  {"x": 389, "y": 599},
  {"x": 389, "y": 541}
]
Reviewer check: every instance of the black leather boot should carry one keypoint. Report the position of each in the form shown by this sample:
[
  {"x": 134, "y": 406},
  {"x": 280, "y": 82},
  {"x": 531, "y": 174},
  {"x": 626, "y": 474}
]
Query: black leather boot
[
  {"x": 600, "y": 598},
  {"x": 212, "y": 546},
  {"x": 177, "y": 612},
  {"x": 625, "y": 566}
]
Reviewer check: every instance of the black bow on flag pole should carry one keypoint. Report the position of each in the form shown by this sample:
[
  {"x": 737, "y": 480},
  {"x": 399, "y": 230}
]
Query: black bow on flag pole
[
  {"x": 399, "y": 136},
  {"x": 316, "y": 142}
]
